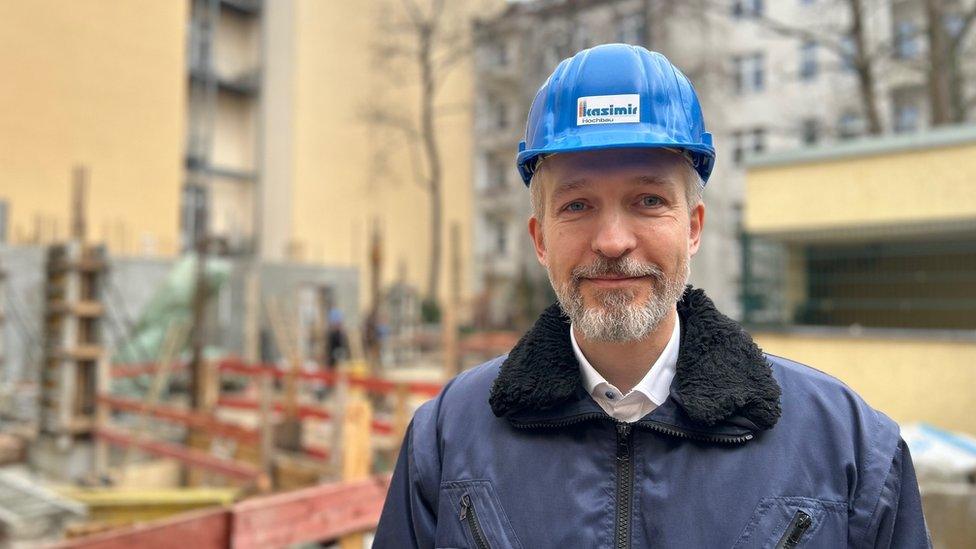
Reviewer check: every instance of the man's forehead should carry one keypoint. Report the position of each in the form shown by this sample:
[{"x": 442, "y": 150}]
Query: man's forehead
[
  {"x": 576, "y": 182},
  {"x": 575, "y": 171}
]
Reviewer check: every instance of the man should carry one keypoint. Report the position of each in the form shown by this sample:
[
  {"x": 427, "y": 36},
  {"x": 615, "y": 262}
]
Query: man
[{"x": 634, "y": 414}]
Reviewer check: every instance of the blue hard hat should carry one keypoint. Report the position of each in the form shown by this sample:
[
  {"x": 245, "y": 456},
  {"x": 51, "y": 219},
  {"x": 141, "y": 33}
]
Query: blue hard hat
[
  {"x": 335, "y": 316},
  {"x": 615, "y": 96}
]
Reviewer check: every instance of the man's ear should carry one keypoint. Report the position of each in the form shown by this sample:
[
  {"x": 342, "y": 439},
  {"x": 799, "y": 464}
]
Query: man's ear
[
  {"x": 696, "y": 220},
  {"x": 535, "y": 230}
]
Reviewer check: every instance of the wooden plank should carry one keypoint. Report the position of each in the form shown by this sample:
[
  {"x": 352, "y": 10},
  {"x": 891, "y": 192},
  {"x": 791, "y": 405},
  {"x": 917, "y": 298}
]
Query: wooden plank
[
  {"x": 371, "y": 384},
  {"x": 312, "y": 514},
  {"x": 183, "y": 416},
  {"x": 357, "y": 454},
  {"x": 304, "y": 412},
  {"x": 204, "y": 529},
  {"x": 195, "y": 458}
]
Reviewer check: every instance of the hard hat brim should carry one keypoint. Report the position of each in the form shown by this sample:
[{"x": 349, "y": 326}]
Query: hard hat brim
[{"x": 703, "y": 156}]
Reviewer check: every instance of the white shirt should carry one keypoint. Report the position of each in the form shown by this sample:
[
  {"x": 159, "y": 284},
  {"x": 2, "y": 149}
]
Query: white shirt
[{"x": 649, "y": 393}]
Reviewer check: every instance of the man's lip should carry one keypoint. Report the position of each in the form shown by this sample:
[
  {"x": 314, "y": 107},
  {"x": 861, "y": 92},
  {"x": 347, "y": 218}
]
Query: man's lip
[{"x": 614, "y": 278}]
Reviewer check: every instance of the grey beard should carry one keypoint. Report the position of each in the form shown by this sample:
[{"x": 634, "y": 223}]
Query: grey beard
[{"x": 619, "y": 319}]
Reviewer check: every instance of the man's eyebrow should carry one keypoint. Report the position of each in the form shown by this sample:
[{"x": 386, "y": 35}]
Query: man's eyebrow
[
  {"x": 569, "y": 186},
  {"x": 650, "y": 180}
]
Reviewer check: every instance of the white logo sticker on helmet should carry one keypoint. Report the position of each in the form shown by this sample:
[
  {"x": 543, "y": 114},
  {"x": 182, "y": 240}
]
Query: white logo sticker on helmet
[{"x": 608, "y": 109}]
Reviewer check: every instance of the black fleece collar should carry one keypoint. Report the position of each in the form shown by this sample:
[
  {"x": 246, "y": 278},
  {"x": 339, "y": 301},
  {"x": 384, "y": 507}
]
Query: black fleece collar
[{"x": 721, "y": 373}]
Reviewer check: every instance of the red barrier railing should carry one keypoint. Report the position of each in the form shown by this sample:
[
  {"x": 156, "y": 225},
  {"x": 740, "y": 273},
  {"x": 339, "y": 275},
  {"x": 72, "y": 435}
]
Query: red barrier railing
[
  {"x": 370, "y": 384},
  {"x": 324, "y": 512},
  {"x": 197, "y": 420}
]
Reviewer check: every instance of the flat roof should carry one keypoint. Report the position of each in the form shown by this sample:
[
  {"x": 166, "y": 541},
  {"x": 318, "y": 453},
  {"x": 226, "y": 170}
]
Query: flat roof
[{"x": 946, "y": 136}]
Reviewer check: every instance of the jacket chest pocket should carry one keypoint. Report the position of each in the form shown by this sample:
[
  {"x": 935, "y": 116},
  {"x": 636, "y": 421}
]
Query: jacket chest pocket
[
  {"x": 469, "y": 515},
  {"x": 795, "y": 522}
]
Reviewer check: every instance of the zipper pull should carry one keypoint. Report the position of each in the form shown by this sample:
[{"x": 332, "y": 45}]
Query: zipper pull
[
  {"x": 802, "y": 524},
  {"x": 623, "y": 440},
  {"x": 465, "y": 505}
]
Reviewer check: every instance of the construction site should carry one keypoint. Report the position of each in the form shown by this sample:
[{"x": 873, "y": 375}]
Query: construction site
[
  {"x": 138, "y": 417},
  {"x": 242, "y": 241}
]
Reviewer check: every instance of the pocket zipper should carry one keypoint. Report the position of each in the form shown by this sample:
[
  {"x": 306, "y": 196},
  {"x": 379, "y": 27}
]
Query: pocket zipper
[
  {"x": 791, "y": 538},
  {"x": 468, "y": 514}
]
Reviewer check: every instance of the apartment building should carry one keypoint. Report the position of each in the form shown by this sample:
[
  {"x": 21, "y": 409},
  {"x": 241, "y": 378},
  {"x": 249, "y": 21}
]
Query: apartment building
[
  {"x": 242, "y": 119},
  {"x": 771, "y": 76}
]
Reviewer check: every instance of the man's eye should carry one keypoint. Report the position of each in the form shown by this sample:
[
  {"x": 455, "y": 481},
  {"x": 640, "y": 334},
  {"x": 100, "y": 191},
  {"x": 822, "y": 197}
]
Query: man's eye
[
  {"x": 651, "y": 201},
  {"x": 575, "y": 207}
]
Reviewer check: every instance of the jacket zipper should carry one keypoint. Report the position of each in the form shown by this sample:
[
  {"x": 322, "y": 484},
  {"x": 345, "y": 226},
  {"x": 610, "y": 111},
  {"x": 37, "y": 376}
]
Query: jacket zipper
[
  {"x": 652, "y": 425},
  {"x": 468, "y": 514},
  {"x": 625, "y": 461},
  {"x": 625, "y": 485},
  {"x": 680, "y": 433},
  {"x": 791, "y": 538}
]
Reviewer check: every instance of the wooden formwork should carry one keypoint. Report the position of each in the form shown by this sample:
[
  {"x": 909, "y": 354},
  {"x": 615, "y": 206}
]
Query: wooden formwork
[{"x": 73, "y": 350}]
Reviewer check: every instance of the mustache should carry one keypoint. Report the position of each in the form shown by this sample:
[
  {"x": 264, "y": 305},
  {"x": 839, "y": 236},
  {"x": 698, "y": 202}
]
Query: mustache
[{"x": 619, "y": 267}]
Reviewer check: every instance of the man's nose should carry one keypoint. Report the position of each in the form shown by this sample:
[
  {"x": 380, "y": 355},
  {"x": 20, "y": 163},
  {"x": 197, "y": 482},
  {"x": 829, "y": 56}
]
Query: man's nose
[{"x": 614, "y": 238}]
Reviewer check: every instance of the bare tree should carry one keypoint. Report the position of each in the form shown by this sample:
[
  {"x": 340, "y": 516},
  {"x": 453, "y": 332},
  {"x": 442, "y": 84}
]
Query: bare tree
[
  {"x": 848, "y": 42},
  {"x": 422, "y": 35},
  {"x": 944, "y": 62}
]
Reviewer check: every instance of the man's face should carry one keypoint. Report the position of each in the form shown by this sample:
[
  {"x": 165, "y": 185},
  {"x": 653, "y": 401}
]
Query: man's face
[{"x": 616, "y": 236}]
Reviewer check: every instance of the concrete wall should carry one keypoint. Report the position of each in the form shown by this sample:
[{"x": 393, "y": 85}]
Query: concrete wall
[
  {"x": 910, "y": 377},
  {"x": 99, "y": 84},
  {"x": 132, "y": 283}
]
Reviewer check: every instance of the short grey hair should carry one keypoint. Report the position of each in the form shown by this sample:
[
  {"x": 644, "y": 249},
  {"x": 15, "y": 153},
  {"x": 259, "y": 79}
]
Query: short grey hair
[{"x": 694, "y": 185}]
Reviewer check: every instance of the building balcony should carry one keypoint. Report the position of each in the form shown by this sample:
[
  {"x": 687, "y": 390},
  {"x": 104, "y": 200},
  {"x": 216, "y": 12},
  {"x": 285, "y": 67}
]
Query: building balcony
[
  {"x": 246, "y": 83},
  {"x": 242, "y": 7}
]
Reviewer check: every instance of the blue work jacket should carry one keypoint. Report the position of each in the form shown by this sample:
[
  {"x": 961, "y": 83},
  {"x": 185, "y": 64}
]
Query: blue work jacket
[{"x": 749, "y": 450}]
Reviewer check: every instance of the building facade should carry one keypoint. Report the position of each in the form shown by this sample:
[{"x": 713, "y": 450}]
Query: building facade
[
  {"x": 863, "y": 267},
  {"x": 244, "y": 120},
  {"x": 771, "y": 76}
]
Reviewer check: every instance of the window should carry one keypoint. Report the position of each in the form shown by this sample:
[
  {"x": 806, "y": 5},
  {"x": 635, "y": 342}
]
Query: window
[
  {"x": 758, "y": 140},
  {"x": 747, "y": 8},
  {"x": 907, "y": 40},
  {"x": 810, "y": 131},
  {"x": 849, "y": 49},
  {"x": 193, "y": 215},
  {"x": 501, "y": 54},
  {"x": 552, "y": 56},
  {"x": 501, "y": 115},
  {"x": 906, "y": 118},
  {"x": 501, "y": 237},
  {"x": 631, "y": 29},
  {"x": 748, "y": 72},
  {"x": 582, "y": 38},
  {"x": 953, "y": 24},
  {"x": 921, "y": 283},
  {"x": 3, "y": 221},
  {"x": 850, "y": 125},
  {"x": 747, "y": 142},
  {"x": 808, "y": 60},
  {"x": 497, "y": 173}
]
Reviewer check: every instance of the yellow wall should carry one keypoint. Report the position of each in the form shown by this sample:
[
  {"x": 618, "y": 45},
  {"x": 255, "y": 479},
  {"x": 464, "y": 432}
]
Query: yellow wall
[
  {"x": 908, "y": 379},
  {"x": 909, "y": 186},
  {"x": 348, "y": 172},
  {"x": 101, "y": 84}
]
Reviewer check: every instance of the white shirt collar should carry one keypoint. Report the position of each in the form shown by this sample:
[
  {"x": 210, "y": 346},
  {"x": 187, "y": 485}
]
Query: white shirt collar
[{"x": 656, "y": 383}]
